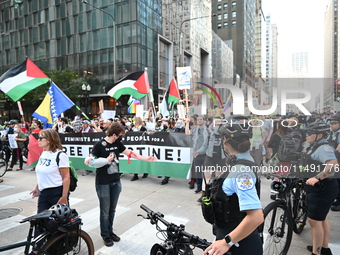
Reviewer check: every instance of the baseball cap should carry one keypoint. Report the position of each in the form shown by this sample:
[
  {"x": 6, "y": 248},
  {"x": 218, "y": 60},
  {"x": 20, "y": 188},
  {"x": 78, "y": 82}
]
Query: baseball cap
[{"x": 85, "y": 122}]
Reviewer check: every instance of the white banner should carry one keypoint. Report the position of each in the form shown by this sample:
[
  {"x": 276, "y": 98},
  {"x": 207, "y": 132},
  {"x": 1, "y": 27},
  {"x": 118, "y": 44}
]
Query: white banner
[{"x": 184, "y": 77}]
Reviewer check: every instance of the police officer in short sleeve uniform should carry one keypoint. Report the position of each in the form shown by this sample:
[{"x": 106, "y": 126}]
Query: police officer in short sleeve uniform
[
  {"x": 236, "y": 231},
  {"x": 321, "y": 188}
]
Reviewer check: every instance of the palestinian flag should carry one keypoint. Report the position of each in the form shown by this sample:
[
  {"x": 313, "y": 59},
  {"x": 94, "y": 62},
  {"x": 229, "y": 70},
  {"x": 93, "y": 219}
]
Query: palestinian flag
[
  {"x": 172, "y": 95},
  {"x": 21, "y": 79},
  {"x": 34, "y": 151},
  {"x": 135, "y": 84}
]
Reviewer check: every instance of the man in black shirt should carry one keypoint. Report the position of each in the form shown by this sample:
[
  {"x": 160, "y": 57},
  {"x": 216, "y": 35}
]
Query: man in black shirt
[{"x": 105, "y": 157}]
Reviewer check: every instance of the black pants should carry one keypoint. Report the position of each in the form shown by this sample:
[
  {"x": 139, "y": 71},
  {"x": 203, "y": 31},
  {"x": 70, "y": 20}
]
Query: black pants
[
  {"x": 250, "y": 245},
  {"x": 17, "y": 154}
]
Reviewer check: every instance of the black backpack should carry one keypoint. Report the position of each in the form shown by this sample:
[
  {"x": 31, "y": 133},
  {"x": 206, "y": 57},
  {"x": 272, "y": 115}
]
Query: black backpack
[
  {"x": 73, "y": 174},
  {"x": 287, "y": 151}
]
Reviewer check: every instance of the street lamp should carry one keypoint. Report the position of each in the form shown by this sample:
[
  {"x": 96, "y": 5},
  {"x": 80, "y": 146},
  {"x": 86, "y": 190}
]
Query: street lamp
[
  {"x": 181, "y": 48},
  {"x": 114, "y": 36},
  {"x": 86, "y": 90}
]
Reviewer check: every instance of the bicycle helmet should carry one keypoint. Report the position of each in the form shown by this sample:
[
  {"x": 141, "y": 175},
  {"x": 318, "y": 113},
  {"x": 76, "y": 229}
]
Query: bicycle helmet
[
  {"x": 317, "y": 127},
  {"x": 61, "y": 213},
  {"x": 236, "y": 128}
]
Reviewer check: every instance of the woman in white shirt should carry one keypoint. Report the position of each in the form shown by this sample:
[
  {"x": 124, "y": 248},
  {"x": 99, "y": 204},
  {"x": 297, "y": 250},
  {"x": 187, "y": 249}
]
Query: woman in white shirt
[{"x": 53, "y": 177}]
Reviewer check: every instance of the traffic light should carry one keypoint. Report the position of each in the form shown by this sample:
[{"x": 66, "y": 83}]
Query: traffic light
[{"x": 181, "y": 93}]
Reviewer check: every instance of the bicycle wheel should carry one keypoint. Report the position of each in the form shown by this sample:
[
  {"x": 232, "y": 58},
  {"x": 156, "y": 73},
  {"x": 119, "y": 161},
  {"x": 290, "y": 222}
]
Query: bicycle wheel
[
  {"x": 277, "y": 229},
  {"x": 299, "y": 210},
  {"x": 3, "y": 166},
  {"x": 73, "y": 242}
]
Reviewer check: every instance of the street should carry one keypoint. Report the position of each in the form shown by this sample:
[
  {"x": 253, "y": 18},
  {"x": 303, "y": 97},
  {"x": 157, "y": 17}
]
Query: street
[{"x": 175, "y": 200}]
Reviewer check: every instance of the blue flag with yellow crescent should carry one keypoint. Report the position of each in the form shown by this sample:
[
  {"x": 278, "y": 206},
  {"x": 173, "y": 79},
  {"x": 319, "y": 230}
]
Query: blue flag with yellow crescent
[{"x": 54, "y": 104}]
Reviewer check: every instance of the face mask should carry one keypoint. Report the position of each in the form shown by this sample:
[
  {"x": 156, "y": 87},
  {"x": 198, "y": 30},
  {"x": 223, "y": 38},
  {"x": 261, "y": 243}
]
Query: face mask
[
  {"x": 216, "y": 128},
  {"x": 15, "y": 129},
  {"x": 60, "y": 123}
]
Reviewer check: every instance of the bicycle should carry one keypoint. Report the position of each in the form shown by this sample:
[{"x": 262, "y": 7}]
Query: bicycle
[
  {"x": 56, "y": 237},
  {"x": 176, "y": 240},
  {"x": 3, "y": 162},
  {"x": 286, "y": 214}
]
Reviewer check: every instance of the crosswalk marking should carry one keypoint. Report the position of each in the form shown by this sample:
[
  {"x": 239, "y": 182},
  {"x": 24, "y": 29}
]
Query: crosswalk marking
[
  {"x": 4, "y": 187},
  {"x": 139, "y": 239},
  {"x": 25, "y": 195}
]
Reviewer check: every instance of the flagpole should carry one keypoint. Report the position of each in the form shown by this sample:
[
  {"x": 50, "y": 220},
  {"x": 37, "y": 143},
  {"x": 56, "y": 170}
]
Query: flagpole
[{"x": 82, "y": 112}]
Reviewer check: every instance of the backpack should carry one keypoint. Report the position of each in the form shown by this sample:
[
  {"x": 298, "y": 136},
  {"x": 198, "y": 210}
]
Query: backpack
[
  {"x": 299, "y": 140},
  {"x": 73, "y": 173},
  {"x": 287, "y": 149}
]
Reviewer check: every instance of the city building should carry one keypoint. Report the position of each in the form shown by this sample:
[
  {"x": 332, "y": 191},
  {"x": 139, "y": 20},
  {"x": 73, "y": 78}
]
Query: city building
[
  {"x": 105, "y": 40},
  {"x": 235, "y": 24},
  {"x": 331, "y": 57}
]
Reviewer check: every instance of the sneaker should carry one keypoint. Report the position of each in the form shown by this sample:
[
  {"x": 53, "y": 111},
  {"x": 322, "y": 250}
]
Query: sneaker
[
  {"x": 9, "y": 169},
  {"x": 134, "y": 178},
  {"x": 335, "y": 208},
  {"x": 19, "y": 169},
  {"x": 145, "y": 175},
  {"x": 198, "y": 190},
  {"x": 165, "y": 181},
  {"x": 324, "y": 251},
  {"x": 107, "y": 241},
  {"x": 114, "y": 237}
]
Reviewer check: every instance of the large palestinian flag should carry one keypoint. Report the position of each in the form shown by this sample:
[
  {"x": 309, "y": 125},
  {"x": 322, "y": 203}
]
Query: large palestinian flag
[
  {"x": 34, "y": 151},
  {"x": 21, "y": 79},
  {"x": 135, "y": 84}
]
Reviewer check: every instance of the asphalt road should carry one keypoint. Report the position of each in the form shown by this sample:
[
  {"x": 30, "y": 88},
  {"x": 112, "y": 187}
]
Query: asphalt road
[{"x": 175, "y": 200}]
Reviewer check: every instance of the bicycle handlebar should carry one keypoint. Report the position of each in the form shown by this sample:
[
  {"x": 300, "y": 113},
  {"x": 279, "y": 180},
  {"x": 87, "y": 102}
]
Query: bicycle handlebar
[{"x": 171, "y": 227}]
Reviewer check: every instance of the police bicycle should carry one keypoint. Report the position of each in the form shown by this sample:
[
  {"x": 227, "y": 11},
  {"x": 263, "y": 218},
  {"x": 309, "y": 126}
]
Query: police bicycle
[
  {"x": 176, "y": 240},
  {"x": 61, "y": 233},
  {"x": 286, "y": 214}
]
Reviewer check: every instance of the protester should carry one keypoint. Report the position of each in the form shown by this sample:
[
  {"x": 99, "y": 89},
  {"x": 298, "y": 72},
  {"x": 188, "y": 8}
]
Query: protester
[
  {"x": 62, "y": 126},
  {"x": 17, "y": 152},
  {"x": 138, "y": 127},
  {"x": 104, "y": 157},
  {"x": 53, "y": 178},
  {"x": 85, "y": 127}
]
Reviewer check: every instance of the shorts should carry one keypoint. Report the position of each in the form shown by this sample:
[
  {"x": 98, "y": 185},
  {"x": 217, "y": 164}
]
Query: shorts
[
  {"x": 250, "y": 245},
  {"x": 320, "y": 198}
]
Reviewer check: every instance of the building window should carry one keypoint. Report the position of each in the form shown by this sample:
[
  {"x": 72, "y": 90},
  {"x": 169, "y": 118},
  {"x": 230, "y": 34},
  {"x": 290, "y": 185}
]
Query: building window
[
  {"x": 225, "y": 15},
  {"x": 225, "y": 24},
  {"x": 233, "y": 23},
  {"x": 219, "y": 26},
  {"x": 219, "y": 16},
  {"x": 233, "y": 14},
  {"x": 225, "y": 6},
  {"x": 219, "y": 7},
  {"x": 233, "y": 4}
]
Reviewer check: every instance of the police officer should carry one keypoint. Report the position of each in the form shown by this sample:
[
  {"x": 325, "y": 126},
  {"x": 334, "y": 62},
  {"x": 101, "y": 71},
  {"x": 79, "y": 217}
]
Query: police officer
[
  {"x": 321, "y": 188},
  {"x": 236, "y": 231},
  {"x": 334, "y": 140}
]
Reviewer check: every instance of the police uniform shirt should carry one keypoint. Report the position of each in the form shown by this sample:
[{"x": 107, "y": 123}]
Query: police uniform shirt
[
  {"x": 242, "y": 180},
  {"x": 324, "y": 152},
  {"x": 334, "y": 135}
]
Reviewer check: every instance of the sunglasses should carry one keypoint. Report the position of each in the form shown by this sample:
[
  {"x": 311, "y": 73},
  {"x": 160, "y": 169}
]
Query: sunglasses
[
  {"x": 41, "y": 137},
  {"x": 309, "y": 133},
  {"x": 335, "y": 123}
]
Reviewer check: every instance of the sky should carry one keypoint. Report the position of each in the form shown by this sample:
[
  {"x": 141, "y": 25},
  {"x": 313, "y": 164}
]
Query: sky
[{"x": 300, "y": 26}]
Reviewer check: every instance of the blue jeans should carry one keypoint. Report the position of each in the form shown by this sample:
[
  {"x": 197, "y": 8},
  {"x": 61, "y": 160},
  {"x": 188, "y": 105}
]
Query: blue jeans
[{"x": 108, "y": 195}]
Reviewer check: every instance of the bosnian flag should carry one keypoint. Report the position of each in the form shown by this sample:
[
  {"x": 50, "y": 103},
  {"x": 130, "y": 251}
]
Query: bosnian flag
[
  {"x": 21, "y": 79},
  {"x": 135, "y": 84}
]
